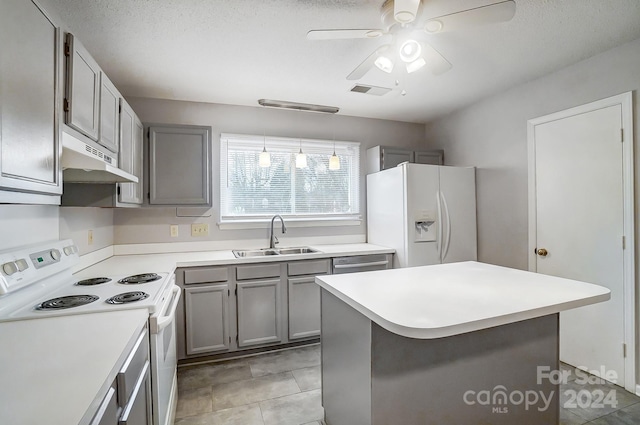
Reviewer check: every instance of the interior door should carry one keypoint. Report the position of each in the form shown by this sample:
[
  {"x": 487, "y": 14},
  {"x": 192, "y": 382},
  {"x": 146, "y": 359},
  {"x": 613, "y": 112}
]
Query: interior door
[{"x": 579, "y": 228}]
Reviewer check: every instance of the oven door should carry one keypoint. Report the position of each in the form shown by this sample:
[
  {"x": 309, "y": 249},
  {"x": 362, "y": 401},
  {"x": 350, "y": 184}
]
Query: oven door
[{"x": 164, "y": 384}]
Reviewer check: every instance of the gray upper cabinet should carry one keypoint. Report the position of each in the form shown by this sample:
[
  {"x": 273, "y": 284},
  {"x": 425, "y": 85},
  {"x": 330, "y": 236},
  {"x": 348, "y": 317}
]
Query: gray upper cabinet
[
  {"x": 82, "y": 102},
  {"x": 434, "y": 157},
  {"x": 30, "y": 71},
  {"x": 384, "y": 157},
  {"x": 109, "y": 114},
  {"x": 130, "y": 159},
  {"x": 180, "y": 165}
]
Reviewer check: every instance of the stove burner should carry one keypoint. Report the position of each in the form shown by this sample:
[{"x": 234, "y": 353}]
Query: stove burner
[
  {"x": 66, "y": 302},
  {"x": 93, "y": 281},
  {"x": 128, "y": 297},
  {"x": 139, "y": 278}
]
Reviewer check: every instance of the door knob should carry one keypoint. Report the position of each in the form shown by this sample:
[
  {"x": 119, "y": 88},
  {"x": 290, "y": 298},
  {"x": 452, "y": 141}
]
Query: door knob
[{"x": 542, "y": 252}]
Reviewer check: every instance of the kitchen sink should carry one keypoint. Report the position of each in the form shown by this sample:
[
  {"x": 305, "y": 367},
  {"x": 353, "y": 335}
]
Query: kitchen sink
[
  {"x": 302, "y": 250},
  {"x": 244, "y": 253}
]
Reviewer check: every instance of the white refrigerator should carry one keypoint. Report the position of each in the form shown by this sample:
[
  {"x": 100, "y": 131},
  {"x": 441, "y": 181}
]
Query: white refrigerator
[{"x": 427, "y": 213}]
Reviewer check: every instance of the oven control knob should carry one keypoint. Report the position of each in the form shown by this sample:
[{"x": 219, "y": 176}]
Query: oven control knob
[
  {"x": 22, "y": 264},
  {"x": 69, "y": 250},
  {"x": 55, "y": 254},
  {"x": 9, "y": 268}
]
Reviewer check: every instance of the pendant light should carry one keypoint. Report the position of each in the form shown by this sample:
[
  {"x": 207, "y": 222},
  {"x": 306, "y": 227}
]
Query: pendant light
[
  {"x": 301, "y": 158},
  {"x": 264, "y": 160},
  {"x": 334, "y": 161}
]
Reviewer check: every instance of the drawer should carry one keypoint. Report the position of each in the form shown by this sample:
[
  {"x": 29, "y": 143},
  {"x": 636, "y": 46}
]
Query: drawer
[
  {"x": 298, "y": 268},
  {"x": 208, "y": 275},
  {"x": 132, "y": 368},
  {"x": 258, "y": 271}
]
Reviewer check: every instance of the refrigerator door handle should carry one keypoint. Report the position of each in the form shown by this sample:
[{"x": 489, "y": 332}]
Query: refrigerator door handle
[
  {"x": 439, "y": 238},
  {"x": 447, "y": 238}
]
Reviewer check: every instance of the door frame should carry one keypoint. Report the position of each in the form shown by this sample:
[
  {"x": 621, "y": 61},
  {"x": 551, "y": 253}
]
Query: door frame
[{"x": 627, "y": 139}]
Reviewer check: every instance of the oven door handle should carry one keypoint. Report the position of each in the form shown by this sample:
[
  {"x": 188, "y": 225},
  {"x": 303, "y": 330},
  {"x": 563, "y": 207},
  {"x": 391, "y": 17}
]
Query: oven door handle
[{"x": 159, "y": 323}]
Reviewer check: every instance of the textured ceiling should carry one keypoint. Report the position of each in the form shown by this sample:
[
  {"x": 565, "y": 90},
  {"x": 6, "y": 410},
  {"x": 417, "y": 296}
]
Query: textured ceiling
[{"x": 238, "y": 51}]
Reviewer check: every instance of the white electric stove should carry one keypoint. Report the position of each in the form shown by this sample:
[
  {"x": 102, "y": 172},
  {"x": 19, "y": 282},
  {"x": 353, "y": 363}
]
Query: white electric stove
[{"x": 36, "y": 282}]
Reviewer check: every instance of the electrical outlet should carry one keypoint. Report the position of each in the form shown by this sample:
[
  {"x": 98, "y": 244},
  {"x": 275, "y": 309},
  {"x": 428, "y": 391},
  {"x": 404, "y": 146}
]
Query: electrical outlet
[
  {"x": 174, "y": 230},
  {"x": 199, "y": 229},
  {"x": 90, "y": 237}
]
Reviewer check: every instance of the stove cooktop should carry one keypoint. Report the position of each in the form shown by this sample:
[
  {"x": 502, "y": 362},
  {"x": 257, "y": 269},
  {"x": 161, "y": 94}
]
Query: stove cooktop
[{"x": 36, "y": 282}]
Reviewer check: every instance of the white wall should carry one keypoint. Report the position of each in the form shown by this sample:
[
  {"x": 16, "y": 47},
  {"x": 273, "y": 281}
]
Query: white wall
[
  {"x": 27, "y": 224},
  {"x": 75, "y": 224},
  {"x": 492, "y": 135},
  {"x": 152, "y": 225}
]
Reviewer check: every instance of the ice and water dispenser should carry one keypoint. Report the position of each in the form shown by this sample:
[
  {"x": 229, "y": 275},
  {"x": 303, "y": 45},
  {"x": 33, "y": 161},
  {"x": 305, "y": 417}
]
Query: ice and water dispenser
[{"x": 425, "y": 226}]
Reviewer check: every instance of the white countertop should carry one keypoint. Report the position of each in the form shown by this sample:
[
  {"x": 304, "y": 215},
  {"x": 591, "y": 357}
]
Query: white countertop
[
  {"x": 450, "y": 299},
  {"x": 167, "y": 262},
  {"x": 53, "y": 369}
]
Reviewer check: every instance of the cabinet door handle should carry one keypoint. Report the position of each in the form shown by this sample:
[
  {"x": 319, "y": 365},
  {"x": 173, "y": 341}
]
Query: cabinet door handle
[{"x": 124, "y": 419}]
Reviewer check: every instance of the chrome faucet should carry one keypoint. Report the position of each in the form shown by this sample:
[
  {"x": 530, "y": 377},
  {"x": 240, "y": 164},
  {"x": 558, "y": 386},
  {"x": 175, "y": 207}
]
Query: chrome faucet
[{"x": 272, "y": 239}]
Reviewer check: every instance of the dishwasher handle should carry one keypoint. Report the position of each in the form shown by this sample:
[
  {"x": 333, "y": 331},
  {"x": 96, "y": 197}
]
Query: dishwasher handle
[{"x": 358, "y": 265}]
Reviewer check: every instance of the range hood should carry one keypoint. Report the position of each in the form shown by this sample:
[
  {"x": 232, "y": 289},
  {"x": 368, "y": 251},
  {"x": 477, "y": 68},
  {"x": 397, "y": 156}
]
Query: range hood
[{"x": 83, "y": 163}]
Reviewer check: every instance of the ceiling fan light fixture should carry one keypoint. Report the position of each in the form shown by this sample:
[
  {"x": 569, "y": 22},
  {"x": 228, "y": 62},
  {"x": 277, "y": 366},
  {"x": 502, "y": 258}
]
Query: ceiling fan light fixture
[
  {"x": 410, "y": 51},
  {"x": 404, "y": 17},
  {"x": 416, "y": 65},
  {"x": 433, "y": 26},
  {"x": 383, "y": 63}
]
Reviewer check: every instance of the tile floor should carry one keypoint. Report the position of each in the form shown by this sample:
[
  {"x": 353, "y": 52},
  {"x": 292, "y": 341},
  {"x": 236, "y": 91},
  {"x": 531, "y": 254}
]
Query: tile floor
[
  {"x": 283, "y": 388},
  {"x": 280, "y": 388}
]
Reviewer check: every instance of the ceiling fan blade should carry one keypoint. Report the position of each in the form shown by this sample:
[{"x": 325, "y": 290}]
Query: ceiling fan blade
[
  {"x": 405, "y": 11},
  {"x": 367, "y": 64},
  {"x": 343, "y": 34},
  {"x": 436, "y": 63},
  {"x": 493, "y": 13}
]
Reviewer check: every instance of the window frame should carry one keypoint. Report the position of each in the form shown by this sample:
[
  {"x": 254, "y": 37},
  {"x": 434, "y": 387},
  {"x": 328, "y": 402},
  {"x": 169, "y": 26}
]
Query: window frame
[{"x": 292, "y": 145}]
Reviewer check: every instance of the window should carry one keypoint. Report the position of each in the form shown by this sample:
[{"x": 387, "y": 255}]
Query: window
[{"x": 249, "y": 192}]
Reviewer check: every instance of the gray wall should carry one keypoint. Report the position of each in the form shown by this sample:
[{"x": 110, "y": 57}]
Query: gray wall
[
  {"x": 152, "y": 225},
  {"x": 492, "y": 135}
]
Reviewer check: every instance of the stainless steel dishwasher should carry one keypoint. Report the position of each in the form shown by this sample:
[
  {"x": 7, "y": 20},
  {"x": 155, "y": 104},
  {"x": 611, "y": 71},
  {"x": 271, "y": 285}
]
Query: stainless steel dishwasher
[{"x": 361, "y": 263}]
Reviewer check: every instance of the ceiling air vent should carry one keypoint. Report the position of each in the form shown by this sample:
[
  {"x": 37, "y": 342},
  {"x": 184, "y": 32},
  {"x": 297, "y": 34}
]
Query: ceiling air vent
[{"x": 372, "y": 90}]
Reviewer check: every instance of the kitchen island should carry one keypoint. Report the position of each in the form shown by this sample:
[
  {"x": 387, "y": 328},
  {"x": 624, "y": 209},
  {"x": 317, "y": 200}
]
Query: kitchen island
[{"x": 463, "y": 343}]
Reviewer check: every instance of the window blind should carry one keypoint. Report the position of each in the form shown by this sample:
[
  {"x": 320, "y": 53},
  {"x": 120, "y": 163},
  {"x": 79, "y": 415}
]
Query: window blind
[{"x": 248, "y": 191}]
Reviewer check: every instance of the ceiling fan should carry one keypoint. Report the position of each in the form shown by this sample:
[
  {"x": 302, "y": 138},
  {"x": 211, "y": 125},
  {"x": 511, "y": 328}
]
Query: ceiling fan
[{"x": 408, "y": 31}]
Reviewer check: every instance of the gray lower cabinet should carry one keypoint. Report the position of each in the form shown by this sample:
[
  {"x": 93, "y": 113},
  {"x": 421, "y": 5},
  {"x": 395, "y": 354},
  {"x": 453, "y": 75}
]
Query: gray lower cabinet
[
  {"x": 304, "y": 307},
  {"x": 30, "y": 72},
  {"x": 207, "y": 318},
  {"x": 128, "y": 400},
  {"x": 259, "y": 312},
  {"x": 180, "y": 165},
  {"x": 108, "y": 411},
  {"x": 304, "y": 297}
]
